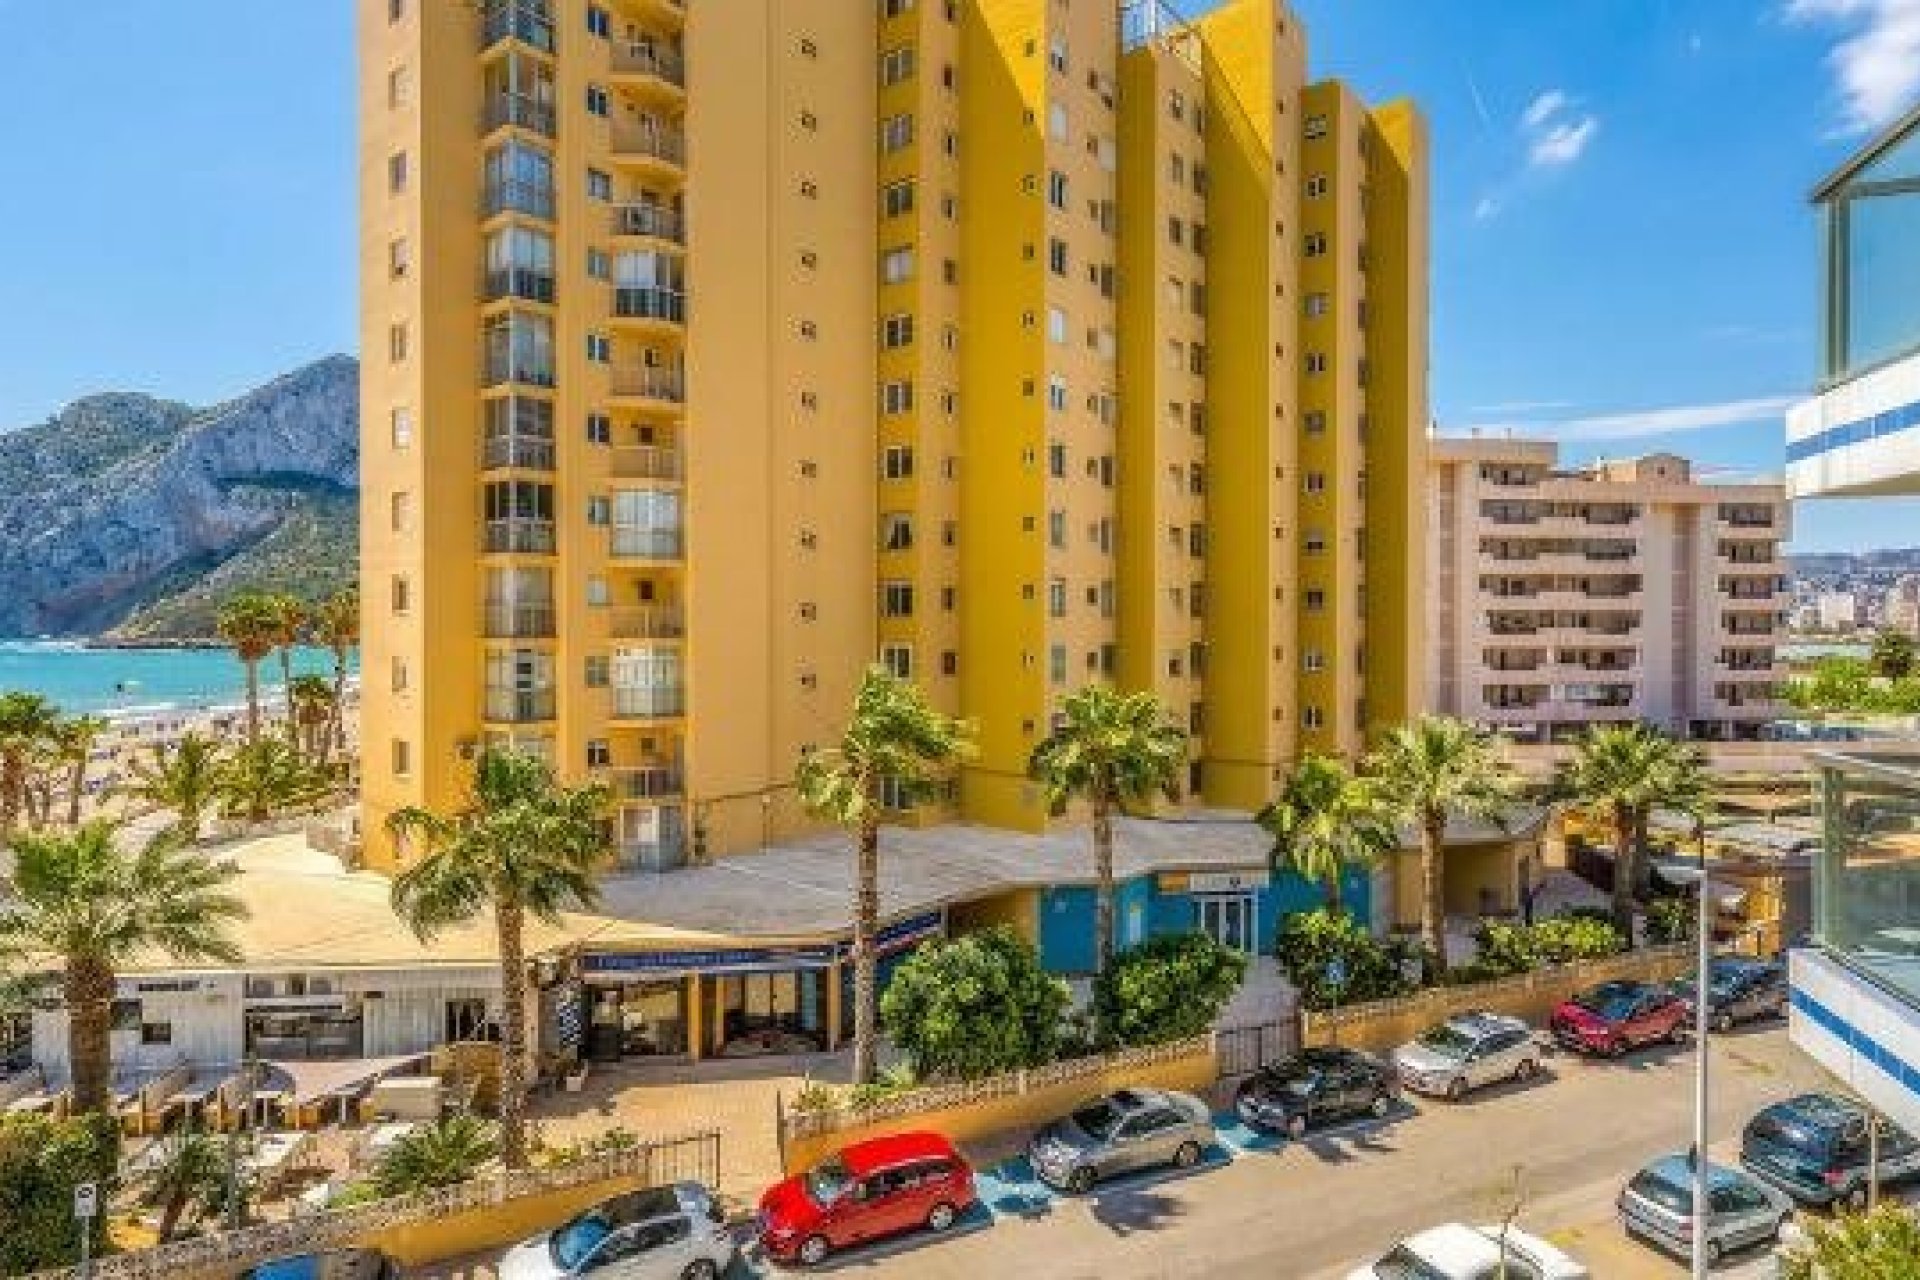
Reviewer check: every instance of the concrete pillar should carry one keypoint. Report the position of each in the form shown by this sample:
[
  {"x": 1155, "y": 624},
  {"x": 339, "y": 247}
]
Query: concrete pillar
[
  {"x": 696, "y": 1018},
  {"x": 833, "y": 1005}
]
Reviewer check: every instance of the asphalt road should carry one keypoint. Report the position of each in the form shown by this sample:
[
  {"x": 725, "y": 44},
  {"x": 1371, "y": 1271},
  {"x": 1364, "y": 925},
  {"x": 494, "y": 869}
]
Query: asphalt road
[{"x": 1315, "y": 1209}]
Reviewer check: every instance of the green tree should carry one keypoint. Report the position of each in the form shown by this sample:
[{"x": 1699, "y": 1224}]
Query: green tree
[
  {"x": 1835, "y": 684},
  {"x": 1170, "y": 987},
  {"x": 27, "y": 723},
  {"x": 1881, "y": 1245},
  {"x": 251, "y": 622},
  {"x": 41, "y": 1161},
  {"x": 1894, "y": 654},
  {"x": 976, "y": 1006},
  {"x": 74, "y": 738},
  {"x": 450, "y": 1151},
  {"x": 894, "y": 738},
  {"x": 260, "y": 779},
  {"x": 524, "y": 846},
  {"x": 290, "y": 615},
  {"x": 1110, "y": 749},
  {"x": 1326, "y": 820},
  {"x": 184, "y": 777},
  {"x": 191, "y": 1173},
  {"x": 1311, "y": 944},
  {"x": 336, "y": 626},
  {"x": 310, "y": 701},
  {"x": 1519, "y": 948},
  {"x": 1619, "y": 775},
  {"x": 1433, "y": 770},
  {"x": 86, "y": 900}
]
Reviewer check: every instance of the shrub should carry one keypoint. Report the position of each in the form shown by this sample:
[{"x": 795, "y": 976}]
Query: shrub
[
  {"x": 1167, "y": 988},
  {"x": 447, "y": 1152},
  {"x": 1310, "y": 941},
  {"x": 1507, "y": 949},
  {"x": 1670, "y": 920},
  {"x": 973, "y": 1007},
  {"x": 41, "y": 1162},
  {"x": 1882, "y": 1245}
]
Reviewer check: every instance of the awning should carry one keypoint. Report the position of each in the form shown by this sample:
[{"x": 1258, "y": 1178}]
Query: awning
[
  {"x": 1725, "y": 897},
  {"x": 310, "y": 1082}
]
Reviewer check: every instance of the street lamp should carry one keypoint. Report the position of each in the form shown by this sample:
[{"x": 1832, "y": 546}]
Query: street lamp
[{"x": 1702, "y": 1015}]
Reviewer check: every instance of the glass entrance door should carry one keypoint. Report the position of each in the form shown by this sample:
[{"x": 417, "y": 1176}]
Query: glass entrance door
[{"x": 1228, "y": 918}]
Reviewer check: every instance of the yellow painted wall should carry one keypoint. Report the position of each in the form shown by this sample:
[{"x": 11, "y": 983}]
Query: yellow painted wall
[
  {"x": 455, "y": 1235},
  {"x": 1018, "y": 910},
  {"x": 1471, "y": 872}
]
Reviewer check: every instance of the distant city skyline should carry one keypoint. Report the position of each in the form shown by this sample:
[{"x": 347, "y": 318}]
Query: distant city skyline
[{"x": 1623, "y": 256}]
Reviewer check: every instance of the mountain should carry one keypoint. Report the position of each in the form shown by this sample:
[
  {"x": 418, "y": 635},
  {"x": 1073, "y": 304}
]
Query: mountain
[{"x": 131, "y": 517}]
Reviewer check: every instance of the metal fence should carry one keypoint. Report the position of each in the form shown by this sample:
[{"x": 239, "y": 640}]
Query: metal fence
[{"x": 1244, "y": 1050}]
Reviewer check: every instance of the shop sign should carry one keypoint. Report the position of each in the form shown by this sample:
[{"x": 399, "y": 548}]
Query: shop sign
[
  {"x": 735, "y": 960},
  {"x": 1228, "y": 881}
]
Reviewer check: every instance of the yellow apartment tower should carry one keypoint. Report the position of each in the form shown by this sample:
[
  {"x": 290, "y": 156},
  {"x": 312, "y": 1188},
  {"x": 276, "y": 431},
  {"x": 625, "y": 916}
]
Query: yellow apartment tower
[{"x": 716, "y": 349}]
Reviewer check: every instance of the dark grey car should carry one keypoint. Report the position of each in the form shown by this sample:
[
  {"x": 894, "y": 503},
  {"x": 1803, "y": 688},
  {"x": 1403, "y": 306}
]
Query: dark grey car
[
  {"x": 1738, "y": 990},
  {"x": 1123, "y": 1132}
]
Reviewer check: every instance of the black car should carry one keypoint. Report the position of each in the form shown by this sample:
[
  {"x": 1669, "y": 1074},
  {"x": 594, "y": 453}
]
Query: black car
[
  {"x": 1316, "y": 1087},
  {"x": 1815, "y": 1148},
  {"x": 1738, "y": 990}
]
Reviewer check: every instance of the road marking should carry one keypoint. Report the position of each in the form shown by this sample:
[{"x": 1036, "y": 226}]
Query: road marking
[{"x": 1011, "y": 1189}]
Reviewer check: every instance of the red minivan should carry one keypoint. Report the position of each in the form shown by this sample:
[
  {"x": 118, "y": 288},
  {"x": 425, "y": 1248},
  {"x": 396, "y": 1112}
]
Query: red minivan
[{"x": 870, "y": 1190}]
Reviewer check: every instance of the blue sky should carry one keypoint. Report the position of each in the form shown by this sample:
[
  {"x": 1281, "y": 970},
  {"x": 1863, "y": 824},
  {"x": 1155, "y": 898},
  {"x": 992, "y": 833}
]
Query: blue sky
[{"x": 1621, "y": 241}]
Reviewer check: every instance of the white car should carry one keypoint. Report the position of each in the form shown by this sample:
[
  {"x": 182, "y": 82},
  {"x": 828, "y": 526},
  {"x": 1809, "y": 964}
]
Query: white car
[
  {"x": 1465, "y": 1052},
  {"x": 1459, "y": 1252},
  {"x": 661, "y": 1233}
]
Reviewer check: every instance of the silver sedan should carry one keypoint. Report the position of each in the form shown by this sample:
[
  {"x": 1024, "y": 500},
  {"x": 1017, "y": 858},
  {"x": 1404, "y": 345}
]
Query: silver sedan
[{"x": 1124, "y": 1132}]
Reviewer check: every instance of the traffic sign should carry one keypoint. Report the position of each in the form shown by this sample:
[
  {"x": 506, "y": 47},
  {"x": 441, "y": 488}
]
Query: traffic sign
[{"x": 86, "y": 1200}]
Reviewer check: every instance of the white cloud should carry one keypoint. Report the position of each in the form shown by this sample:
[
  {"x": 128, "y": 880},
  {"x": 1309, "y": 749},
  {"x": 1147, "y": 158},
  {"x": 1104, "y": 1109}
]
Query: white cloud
[
  {"x": 1876, "y": 68},
  {"x": 1523, "y": 406},
  {"x": 1563, "y": 143},
  {"x": 1542, "y": 109},
  {"x": 1650, "y": 422},
  {"x": 1488, "y": 207}
]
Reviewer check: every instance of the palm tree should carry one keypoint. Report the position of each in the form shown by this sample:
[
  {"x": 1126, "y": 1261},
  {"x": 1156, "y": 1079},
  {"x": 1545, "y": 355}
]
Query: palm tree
[
  {"x": 74, "y": 739},
  {"x": 310, "y": 702},
  {"x": 894, "y": 738},
  {"x": 1620, "y": 775},
  {"x": 84, "y": 898},
  {"x": 26, "y": 724},
  {"x": 290, "y": 624},
  {"x": 266, "y": 777},
  {"x": 251, "y": 623},
  {"x": 1110, "y": 749},
  {"x": 1432, "y": 770},
  {"x": 443, "y": 1154},
  {"x": 192, "y": 1171},
  {"x": 524, "y": 845},
  {"x": 1325, "y": 820},
  {"x": 184, "y": 777},
  {"x": 336, "y": 624}
]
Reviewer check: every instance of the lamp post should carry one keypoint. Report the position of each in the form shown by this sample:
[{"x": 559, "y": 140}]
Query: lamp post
[{"x": 1702, "y": 1016}]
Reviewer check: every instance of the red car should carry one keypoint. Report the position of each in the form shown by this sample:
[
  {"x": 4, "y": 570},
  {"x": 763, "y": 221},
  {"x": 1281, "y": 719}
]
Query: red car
[
  {"x": 869, "y": 1191},
  {"x": 1617, "y": 1016}
]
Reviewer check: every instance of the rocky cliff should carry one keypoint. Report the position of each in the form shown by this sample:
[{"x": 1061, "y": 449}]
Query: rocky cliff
[{"x": 133, "y": 513}]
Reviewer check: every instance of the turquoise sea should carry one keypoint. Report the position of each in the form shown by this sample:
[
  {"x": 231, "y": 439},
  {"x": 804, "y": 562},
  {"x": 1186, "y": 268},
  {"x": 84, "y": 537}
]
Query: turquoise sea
[{"x": 137, "y": 682}]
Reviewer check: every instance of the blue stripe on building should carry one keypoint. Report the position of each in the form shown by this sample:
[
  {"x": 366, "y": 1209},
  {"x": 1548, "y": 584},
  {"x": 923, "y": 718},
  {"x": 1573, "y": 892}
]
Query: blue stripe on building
[
  {"x": 1895, "y": 1067},
  {"x": 1905, "y": 417}
]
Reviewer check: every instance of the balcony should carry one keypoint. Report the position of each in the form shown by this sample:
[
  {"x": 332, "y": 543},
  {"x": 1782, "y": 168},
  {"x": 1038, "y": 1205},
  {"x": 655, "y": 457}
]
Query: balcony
[
  {"x": 525, "y": 283},
  {"x": 520, "y": 706},
  {"x": 519, "y": 111},
  {"x": 669, "y": 853},
  {"x": 506, "y": 195},
  {"x": 645, "y": 544},
  {"x": 653, "y": 221},
  {"x": 511, "y": 621},
  {"x": 646, "y": 382},
  {"x": 527, "y": 21},
  {"x": 649, "y": 702},
  {"x": 517, "y": 453},
  {"x": 646, "y": 462},
  {"x": 646, "y": 622},
  {"x": 663, "y": 150},
  {"x": 645, "y": 782},
  {"x": 500, "y": 370},
  {"x": 650, "y": 303},
  {"x": 519, "y": 535},
  {"x": 640, "y": 61}
]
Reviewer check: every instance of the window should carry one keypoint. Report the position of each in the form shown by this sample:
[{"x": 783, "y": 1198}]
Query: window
[
  {"x": 1315, "y": 541},
  {"x": 397, "y": 172},
  {"x": 1057, "y": 121},
  {"x": 1057, "y": 326},
  {"x": 1057, "y": 530},
  {"x": 1315, "y": 305},
  {"x": 1057, "y": 664},
  {"x": 898, "y": 660},
  {"x": 1312, "y": 718},
  {"x": 599, "y": 429},
  {"x": 1057, "y": 189},
  {"x": 896, "y": 133},
  {"x": 599, "y": 22},
  {"x": 597, "y": 103},
  {"x": 1315, "y": 599},
  {"x": 397, "y": 342},
  {"x": 401, "y": 512},
  {"x": 598, "y": 674},
  {"x": 896, "y": 532},
  {"x": 896, "y": 198},
  {"x": 896, "y": 600},
  {"x": 1316, "y": 126},
  {"x": 1057, "y": 460},
  {"x": 156, "y": 1033},
  {"x": 1057, "y": 393},
  {"x": 897, "y": 462},
  {"x": 896, "y": 65},
  {"x": 1316, "y": 186},
  {"x": 402, "y": 424},
  {"x": 1312, "y": 660},
  {"x": 396, "y": 10},
  {"x": 399, "y": 675},
  {"x": 399, "y": 87},
  {"x": 599, "y": 348},
  {"x": 1315, "y": 422},
  {"x": 896, "y": 331},
  {"x": 402, "y": 758},
  {"x": 894, "y": 8},
  {"x": 896, "y": 266},
  {"x": 599, "y": 185},
  {"x": 1315, "y": 244},
  {"x": 896, "y": 397},
  {"x": 1057, "y": 256},
  {"x": 1316, "y": 362},
  {"x": 402, "y": 595},
  {"x": 1314, "y": 481},
  {"x": 1057, "y": 598}
]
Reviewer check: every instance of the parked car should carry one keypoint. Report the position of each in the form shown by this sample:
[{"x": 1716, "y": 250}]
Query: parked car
[
  {"x": 1467, "y": 1051},
  {"x": 1459, "y": 1252},
  {"x": 337, "y": 1264},
  {"x": 1123, "y": 1132},
  {"x": 1657, "y": 1207},
  {"x": 1738, "y": 990},
  {"x": 661, "y": 1233},
  {"x": 1617, "y": 1016},
  {"x": 868, "y": 1191},
  {"x": 1816, "y": 1148},
  {"x": 1315, "y": 1087}
]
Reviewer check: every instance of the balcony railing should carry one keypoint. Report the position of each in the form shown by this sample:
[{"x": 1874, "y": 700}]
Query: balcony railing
[
  {"x": 520, "y": 706},
  {"x": 511, "y": 196},
  {"x": 523, "y": 535},
  {"x": 650, "y": 60},
  {"x": 499, "y": 369},
  {"x": 650, "y": 302},
  {"x": 652, "y": 702},
  {"x": 647, "y": 622},
  {"x": 527, "y": 21},
  {"x": 503, "y": 621},
  {"x": 645, "y": 782},
  {"x": 648, "y": 383},
  {"x": 642, "y": 219},
  {"x": 668, "y": 853},
  {"x": 646, "y": 462},
  {"x": 637, "y": 141},
  {"x": 645, "y": 544},
  {"x": 520, "y": 111},
  {"x": 518, "y": 282},
  {"x": 527, "y": 453}
]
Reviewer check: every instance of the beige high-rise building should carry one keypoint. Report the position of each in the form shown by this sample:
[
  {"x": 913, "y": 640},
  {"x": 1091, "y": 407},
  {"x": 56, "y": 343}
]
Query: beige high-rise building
[
  {"x": 1626, "y": 590},
  {"x": 716, "y": 349}
]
